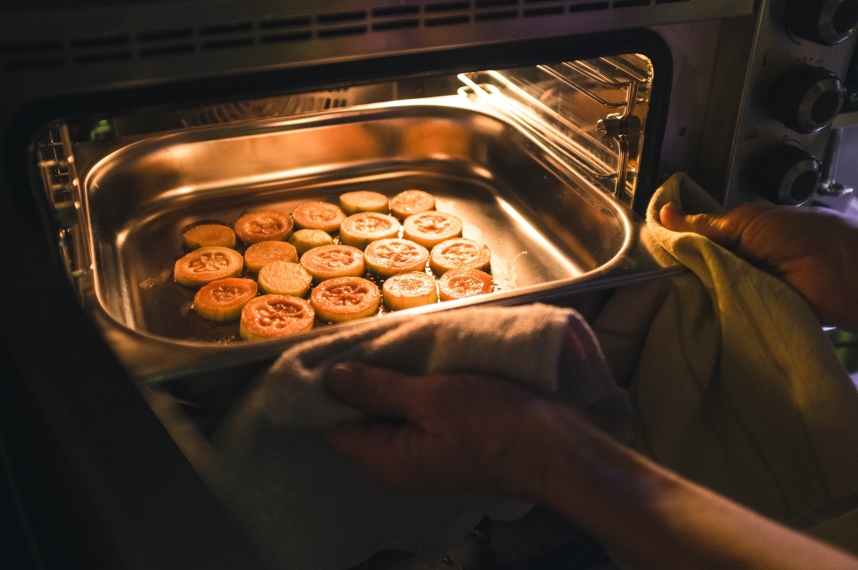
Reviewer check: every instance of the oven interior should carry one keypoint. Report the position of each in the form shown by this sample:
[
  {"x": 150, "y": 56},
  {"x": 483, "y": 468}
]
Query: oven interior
[{"x": 540, "y": 162}]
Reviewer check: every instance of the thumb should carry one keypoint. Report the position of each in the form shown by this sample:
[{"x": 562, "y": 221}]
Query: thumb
[{"x": 714, "y": 226}]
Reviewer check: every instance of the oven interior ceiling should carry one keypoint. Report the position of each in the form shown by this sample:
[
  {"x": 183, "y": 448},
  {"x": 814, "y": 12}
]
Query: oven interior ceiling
[{"x": 539, "y": 162}]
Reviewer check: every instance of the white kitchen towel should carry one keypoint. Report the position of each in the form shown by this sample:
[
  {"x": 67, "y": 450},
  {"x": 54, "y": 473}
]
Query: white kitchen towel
[
  {"x": 308, "y": 509},
  {"x": 732, "y": 380}
]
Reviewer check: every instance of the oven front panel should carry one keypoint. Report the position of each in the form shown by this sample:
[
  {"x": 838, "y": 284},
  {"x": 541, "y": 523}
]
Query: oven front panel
[{"x": 67, "y": 51}]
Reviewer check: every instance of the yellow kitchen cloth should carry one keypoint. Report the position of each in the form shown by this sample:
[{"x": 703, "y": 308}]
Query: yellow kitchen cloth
[
  {"x": 308, "y": 509},
  {"x": 733, "y": 382}
]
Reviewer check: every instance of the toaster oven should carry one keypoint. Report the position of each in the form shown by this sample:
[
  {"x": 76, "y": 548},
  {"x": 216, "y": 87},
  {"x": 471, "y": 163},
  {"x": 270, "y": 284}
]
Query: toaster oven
[{"x": 545, "y": 125}]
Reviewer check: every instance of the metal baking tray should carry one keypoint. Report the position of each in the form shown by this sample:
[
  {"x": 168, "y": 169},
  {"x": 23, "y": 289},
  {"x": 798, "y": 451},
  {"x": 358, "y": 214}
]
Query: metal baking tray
[{"x": 551, "y": 231}]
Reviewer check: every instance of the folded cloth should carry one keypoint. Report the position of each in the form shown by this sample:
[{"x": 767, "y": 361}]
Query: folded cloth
[
  {"x": 733, "y": 382},
  {"x": 307, "y": 508}
]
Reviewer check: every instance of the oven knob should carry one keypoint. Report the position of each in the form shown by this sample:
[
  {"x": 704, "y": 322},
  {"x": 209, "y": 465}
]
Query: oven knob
[
  {"x": 786, "y": 175},
  {"x": 827, "y": 22},
  {"x": 806, "y": 98}
]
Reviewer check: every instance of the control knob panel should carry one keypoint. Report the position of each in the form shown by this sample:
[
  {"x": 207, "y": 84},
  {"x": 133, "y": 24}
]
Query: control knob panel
[
  {"x": 806, "y": 98},
  {"x": 786, "y": 175},
  {"x": 791, "y": 94},
  {"x": 827, "y": 22}
]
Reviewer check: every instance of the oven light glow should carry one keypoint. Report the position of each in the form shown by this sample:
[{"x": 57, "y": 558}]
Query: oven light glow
[
  {"x": 121, "y": 237},
  {"x": 257, "y": 181},
  {"x": 483, "y": 172},
  {"x": 181, "y": 191},
  {"x": 260, "y": 180}
]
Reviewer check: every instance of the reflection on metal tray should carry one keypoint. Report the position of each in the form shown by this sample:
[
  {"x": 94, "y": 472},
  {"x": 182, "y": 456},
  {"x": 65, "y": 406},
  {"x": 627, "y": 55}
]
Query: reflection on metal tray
[
  {"x": 592, "y": 112},
  {"x": 549, "y": 230}
]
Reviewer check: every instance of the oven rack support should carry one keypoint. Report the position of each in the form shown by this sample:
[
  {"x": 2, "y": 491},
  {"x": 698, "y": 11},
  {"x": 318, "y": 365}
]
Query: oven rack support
[{"x": 604, "y": 149}]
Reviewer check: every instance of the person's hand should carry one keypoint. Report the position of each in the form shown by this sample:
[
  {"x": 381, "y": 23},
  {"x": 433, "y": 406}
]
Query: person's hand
[
  {"x": 470, "y": 433},
  {"x": 813, "y": 250},
  {"x": 444, "y": 432}
]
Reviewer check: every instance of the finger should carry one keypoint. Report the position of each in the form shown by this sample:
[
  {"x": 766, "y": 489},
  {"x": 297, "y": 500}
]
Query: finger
[
  {"x": 673, "y": 218},
  {"x": 724, "y": 229},
  {"x": 361, "y": 442},
  {"x": 375, "y": 448},
  {"x": 373, "y": 391}
]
